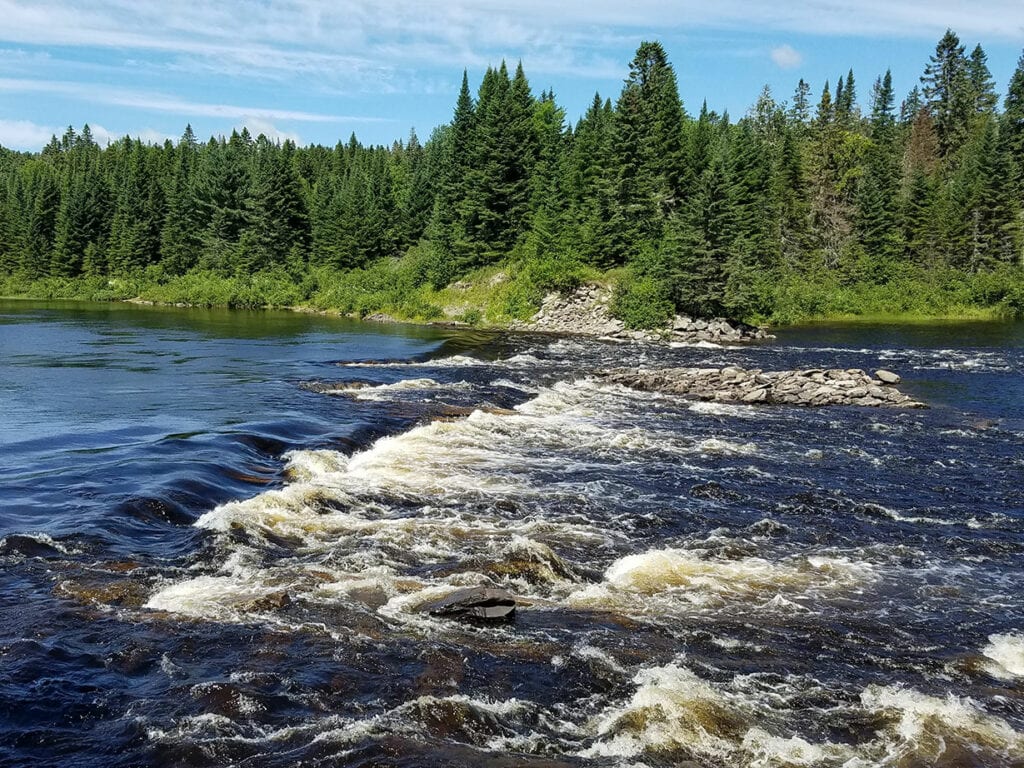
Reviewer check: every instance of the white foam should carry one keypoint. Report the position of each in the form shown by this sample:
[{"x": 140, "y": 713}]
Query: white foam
[
  {"x": 388, "y": 391},
  {"x": 694, "y": 345},
  {"x": 710, "y": 408},
  {"x": 46, "y": 540},
  {"x": 209, "y": 597},
  {"x": 657, "y": 570},
  {"x": 673, "y": 708},
  {"x": 455, "y": 361},
  {"x": 922, "y": 727},
  {"x": 1007, "y": 651}
]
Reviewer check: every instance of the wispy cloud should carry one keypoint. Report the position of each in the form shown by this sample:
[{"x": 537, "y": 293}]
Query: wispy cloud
[
  {"x": 786, "y": 57},
  {"x": 286, "y": 63},
  {"x": 371, "y": 45},
  {"x": 157, "y": 102}
]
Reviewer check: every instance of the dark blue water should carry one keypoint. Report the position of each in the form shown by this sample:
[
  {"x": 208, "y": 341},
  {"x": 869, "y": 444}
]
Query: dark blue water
[{"x": 217, "y": 528}]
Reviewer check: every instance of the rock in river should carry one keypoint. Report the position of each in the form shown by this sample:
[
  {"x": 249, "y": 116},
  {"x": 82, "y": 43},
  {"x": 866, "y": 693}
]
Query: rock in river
[
  {"x": 473, "y": 603},
  {"x": 812, "y": 387}
]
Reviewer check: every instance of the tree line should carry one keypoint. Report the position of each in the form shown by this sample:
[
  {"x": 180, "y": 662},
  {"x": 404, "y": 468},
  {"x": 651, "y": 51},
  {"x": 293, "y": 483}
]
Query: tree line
[{"x": 705, "y": 214}]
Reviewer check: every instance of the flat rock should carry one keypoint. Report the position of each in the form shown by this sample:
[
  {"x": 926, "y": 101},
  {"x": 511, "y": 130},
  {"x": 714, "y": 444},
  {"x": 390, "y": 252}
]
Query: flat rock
[
  {"x": 887, "y": 377},
  {"x": 473, "y": 603}
]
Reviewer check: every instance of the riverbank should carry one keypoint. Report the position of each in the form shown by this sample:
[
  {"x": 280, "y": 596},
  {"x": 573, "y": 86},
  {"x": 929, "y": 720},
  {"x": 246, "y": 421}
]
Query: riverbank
[{"x": 520, "y": 297}]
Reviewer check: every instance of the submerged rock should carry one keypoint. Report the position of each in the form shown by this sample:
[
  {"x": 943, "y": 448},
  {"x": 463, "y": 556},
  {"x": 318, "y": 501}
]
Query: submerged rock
[
  {"x": 812, "y": 387},
  {"x": 473, "y": 603}
]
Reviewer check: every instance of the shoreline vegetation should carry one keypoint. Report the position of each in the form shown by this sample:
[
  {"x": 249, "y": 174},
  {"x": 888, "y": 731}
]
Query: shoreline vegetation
[
  {"x": 506, "y": 299},
  {"x": 791, "y": 213}
]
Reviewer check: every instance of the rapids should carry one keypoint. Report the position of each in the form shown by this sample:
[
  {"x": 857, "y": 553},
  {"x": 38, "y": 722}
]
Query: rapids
[{"x": 217, "y": 529}]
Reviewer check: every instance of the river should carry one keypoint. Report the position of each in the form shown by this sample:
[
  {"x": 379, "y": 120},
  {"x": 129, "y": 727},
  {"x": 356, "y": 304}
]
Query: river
[{"x": 217, "y": 528}]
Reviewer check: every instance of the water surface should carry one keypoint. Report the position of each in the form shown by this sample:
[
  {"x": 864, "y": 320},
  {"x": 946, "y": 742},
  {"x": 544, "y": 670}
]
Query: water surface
[{"x": 208, "y": 561}]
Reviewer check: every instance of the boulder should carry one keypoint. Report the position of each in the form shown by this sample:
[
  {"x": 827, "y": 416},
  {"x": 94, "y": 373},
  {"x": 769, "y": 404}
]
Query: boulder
[
  {"x": 473, "y": 603},
  {"x": 887, "y": 377}
]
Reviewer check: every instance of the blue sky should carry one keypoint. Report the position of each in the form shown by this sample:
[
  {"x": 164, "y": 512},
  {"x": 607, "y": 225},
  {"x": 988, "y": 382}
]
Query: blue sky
[{"x": 317, "y": 70}]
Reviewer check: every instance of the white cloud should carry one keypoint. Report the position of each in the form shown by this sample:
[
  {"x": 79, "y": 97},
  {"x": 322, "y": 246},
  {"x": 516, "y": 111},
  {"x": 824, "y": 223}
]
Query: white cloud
[
  {"x": 256, "y": 126},
  {"x": 787, "y": 57},
  {"x": 24, "y": 134},
  {"x": 157, "y": 102}
]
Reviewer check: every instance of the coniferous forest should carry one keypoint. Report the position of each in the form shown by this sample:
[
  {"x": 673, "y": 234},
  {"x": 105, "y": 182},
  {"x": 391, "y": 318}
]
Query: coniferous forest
[{"x": 845, "y": 198}]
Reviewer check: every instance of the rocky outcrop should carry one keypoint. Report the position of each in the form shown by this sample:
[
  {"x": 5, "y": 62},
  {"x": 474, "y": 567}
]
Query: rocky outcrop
[
  {"x": 586, "y": 311},
  {"x": 814, "y": 387}
]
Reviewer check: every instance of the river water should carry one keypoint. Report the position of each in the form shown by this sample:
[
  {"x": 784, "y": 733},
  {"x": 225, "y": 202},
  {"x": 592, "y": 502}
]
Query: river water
[{"x": 207, "y": 561}]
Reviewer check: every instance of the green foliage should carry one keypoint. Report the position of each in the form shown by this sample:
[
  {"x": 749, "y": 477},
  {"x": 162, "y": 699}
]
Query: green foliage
[
  {"x": 551, "y": 273},
  {"x": 642, "y": 302}
]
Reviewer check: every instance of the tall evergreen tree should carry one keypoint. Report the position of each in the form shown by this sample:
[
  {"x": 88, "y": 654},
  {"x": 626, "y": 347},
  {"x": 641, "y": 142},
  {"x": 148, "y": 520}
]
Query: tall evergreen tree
[
  {"x": 649, "y": 134},
  {"x": 947, "y": 91},
  {"x": 180, "y": 236},
  {"x": 277, "y": 221},
  {"x": 982, "y": 87}
]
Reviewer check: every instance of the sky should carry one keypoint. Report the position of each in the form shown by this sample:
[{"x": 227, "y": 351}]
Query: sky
[{"x": 315, "y": 71}]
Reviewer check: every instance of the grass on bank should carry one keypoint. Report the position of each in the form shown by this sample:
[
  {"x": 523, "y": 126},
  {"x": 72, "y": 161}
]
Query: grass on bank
[{"x": 496, "y": 295}]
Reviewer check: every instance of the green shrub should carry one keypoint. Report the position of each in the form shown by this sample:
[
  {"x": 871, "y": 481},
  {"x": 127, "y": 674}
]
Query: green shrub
[{"x": 642, "y": 302}]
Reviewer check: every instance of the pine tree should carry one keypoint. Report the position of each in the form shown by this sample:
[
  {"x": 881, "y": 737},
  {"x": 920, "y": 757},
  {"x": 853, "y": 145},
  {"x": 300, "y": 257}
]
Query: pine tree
[
  {"x": 1011, "y": 129},
  {"x": 41, "y": 202},
  {"x": 446, "y": 231},
  {"x": 547, "y": 202},
  {"x": 699, "y": 241},
  {"x": 81, "y": 220},
  {"x": 138, "y": 214},
  {"x": 416, "y": 197},
  {"x": 877, "y": 195},
  {"x": 589, "y": 175},
  {"x": 911, "y": 106},
  {"x": 846, "y": 96}
]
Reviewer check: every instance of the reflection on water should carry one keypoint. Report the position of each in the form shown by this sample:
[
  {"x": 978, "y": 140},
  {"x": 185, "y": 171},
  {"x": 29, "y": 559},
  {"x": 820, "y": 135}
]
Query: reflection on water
[{"x": 225, "y": 558}]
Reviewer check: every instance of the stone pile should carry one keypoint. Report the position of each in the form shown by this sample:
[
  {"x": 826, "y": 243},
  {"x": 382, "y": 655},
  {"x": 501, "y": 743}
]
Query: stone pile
[
  {"x": 814, "y": 387},
  {"x": 717, "y": 330},
  {"x": 586, "y": 311}
]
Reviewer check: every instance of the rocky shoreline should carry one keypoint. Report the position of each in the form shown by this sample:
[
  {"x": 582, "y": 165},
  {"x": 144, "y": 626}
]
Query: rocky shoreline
[
  {"x": 813, "y": 387},
  {"x": 586, "y": 312}
]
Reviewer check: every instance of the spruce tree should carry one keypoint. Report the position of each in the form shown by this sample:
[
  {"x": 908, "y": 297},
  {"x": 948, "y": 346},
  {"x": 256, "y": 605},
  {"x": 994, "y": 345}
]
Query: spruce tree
[
  {"x": 649, "y": 134},
  {"x": 180, "y": 240},
  {"x": 947, "y": 92},
  {"x": 800, "y": 111},
  {"x": 1011, "y": 129},
  {"x": 982, "y": 87}
]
